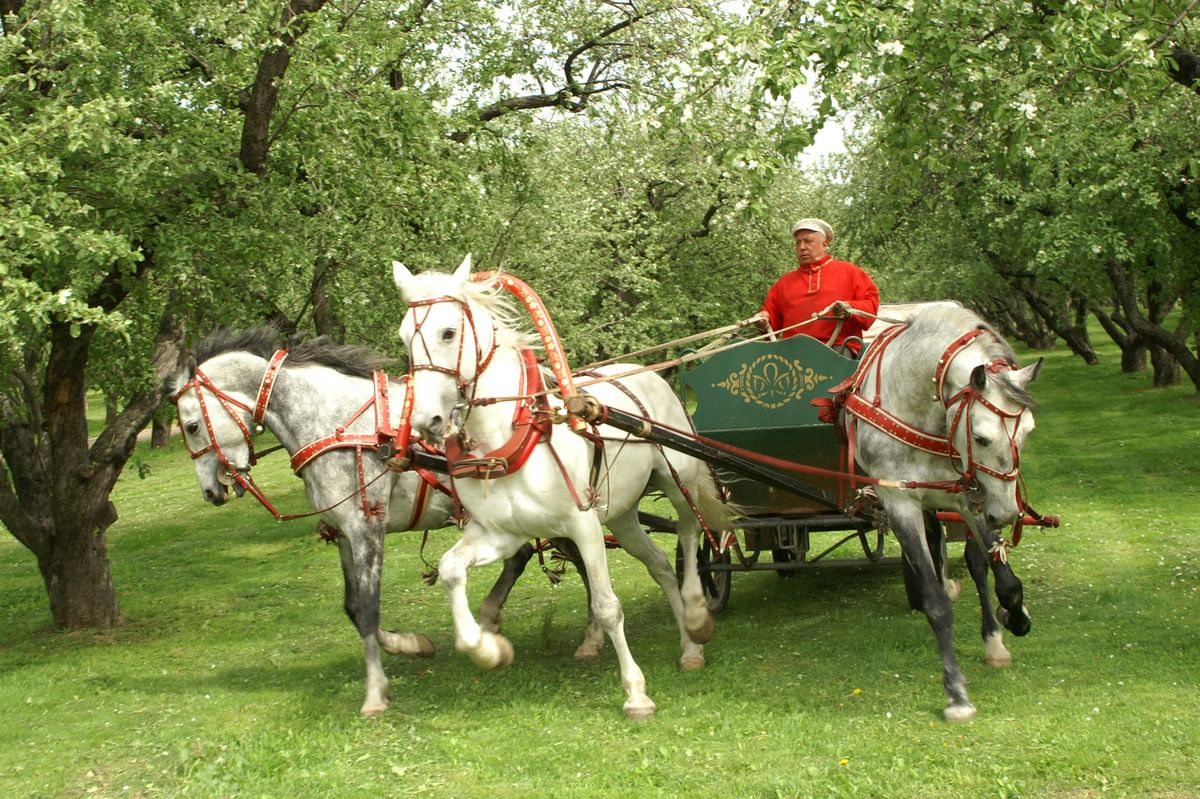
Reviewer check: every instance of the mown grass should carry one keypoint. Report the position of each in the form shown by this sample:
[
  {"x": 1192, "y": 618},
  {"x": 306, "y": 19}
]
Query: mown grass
[{"x": 238, "y": 675}]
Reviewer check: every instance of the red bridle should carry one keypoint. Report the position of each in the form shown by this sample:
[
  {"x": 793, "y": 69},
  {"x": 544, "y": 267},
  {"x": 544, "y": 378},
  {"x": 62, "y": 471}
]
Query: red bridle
[
  {"x": 420, "y": 315},
  {"x": 201, "y": 383},
  {"x": 961, "y": 402},
  {"x": 385, "y": 435}
]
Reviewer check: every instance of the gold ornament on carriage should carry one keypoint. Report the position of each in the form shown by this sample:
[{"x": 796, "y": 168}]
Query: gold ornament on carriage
[{"x": 772, "y": 381}]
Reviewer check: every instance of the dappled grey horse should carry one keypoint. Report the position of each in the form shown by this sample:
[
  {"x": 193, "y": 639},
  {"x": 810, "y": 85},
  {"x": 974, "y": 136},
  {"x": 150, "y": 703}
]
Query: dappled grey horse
[{"x": 942, "y": 403}]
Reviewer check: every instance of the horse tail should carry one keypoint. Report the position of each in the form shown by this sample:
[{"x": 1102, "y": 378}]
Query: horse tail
[{"x": 717, "y": 513}]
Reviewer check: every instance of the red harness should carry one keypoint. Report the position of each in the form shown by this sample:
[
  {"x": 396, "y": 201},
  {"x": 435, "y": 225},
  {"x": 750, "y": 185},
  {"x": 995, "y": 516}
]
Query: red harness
[
  {"x": 850, "y": 398},
  {"x": 386, "y": 440},
  {"x": 531, "y": 423}
]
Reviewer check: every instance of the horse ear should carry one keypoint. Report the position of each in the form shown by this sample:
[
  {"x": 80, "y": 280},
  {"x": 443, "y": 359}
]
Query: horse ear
[
  {"x": 463, "y": 273},
  {"x": 1023, "y": 377},
  {"x": 400, "y": 274},
  {"x": 979, "y": 377}
]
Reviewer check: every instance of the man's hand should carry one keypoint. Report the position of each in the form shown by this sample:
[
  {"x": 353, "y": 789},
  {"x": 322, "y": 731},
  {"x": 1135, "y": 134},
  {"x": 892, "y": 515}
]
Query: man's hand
[
  {"x": 839, "y": 309},
  {"x": 760, "y": 319}
]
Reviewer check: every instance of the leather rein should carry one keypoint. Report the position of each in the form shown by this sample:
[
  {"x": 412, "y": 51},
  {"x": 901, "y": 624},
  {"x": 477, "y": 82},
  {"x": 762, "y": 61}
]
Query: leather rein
[{"x": 386, "y": 441}]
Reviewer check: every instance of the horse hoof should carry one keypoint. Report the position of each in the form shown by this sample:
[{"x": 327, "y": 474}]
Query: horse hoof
[
  {"x": 411, "y": 644},
  {"x": 953, "y": 589},
  {"x": 959, "y": 713},
  {"x": 691, "y": 663},
  {"x": 425, "y": 647},
  {"x": 639, "y": 712},
  {"x": 998, "y": 661},
  {"x": 704, "y": 632},
  {"x": 373, "y": 710},
  {"x": 586, "y": 653},
  {"x": 493, "y": 652}
]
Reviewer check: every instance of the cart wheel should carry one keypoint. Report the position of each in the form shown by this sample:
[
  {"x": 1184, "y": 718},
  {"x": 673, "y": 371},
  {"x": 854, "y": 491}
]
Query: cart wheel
[
  {"x": 935, "y": 538},
  {"x": 715, "y": 584}
]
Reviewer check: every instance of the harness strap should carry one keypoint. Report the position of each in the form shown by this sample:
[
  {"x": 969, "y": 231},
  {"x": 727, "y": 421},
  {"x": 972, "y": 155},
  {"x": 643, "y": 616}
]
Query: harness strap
[
  {"x": 529, "y": 428},
  {"x": 267, "y": 384}
]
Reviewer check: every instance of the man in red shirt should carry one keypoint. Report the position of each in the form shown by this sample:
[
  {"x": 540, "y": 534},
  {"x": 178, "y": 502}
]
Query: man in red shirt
[{"x": 823, "y": 287}]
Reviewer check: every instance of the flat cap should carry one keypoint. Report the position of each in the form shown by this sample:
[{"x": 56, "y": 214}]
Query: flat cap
[{"x": 818, "y": 225}]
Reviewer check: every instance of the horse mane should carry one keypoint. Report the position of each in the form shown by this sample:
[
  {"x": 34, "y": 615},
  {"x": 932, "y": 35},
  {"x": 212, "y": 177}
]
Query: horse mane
[
  {"x": 303, "y": 350},
  {"x": 933, "y": 323},
  {"x": 511, "y": 321}
]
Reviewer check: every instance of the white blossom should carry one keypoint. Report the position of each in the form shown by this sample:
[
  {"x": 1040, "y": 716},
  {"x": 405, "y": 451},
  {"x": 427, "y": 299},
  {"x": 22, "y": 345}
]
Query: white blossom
[
  {"x": 63, "y": 296},
  {"x": 890, "y": 48}
]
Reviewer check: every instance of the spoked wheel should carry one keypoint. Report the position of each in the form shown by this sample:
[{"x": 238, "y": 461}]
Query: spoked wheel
[
  {"x": 935, "y": 538},
  {"x": 715, "y": 584}
]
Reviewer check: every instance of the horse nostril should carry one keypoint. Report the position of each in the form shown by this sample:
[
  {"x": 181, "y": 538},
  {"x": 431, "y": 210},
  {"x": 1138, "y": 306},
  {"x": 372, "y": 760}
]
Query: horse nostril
[{"x": 435, "y": 422}]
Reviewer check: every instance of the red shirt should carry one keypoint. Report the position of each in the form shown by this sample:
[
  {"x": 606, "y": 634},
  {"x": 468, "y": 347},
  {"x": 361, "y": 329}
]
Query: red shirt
[{"x": 810, "y": 289}]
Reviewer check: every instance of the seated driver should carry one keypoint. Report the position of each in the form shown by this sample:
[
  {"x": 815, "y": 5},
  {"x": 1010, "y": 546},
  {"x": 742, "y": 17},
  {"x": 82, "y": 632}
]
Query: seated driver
[{"x": 823, "y": 287}]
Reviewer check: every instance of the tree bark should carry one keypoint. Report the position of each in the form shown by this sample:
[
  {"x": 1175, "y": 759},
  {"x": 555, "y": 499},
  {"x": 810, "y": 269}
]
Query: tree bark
[
  {"x": 1174, "y": 344},
  {"x": 57, "y": 503}
]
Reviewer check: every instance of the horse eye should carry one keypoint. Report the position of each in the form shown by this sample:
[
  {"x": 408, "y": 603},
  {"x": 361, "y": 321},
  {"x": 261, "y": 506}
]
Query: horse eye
[
  {"x": 192, "y": 427},
  {"x": 982, "y": 441},
  {"x": 448, "y": 334}
]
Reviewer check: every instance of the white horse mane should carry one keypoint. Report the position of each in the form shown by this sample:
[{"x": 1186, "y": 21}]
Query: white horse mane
[{"x": 510, "y": 318}]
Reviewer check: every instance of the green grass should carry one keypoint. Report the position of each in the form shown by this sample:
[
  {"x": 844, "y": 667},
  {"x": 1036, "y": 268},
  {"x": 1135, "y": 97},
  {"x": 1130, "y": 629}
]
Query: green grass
[{"x": 238, "y": 675}]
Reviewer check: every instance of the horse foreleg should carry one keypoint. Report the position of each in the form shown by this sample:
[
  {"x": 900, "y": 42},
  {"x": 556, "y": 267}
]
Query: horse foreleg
[
  {"x": 994, "y": 651},
  {"x": 635, "y": 541},
  {"x": 362, "y": 562},
  {"x": 606, "y": 608},
  {"x": 476, "y": 548},
  {"x": 514, "y": 567},
  {"x": 1013, "y": 614},
  {"x": 908, "y": 526}
]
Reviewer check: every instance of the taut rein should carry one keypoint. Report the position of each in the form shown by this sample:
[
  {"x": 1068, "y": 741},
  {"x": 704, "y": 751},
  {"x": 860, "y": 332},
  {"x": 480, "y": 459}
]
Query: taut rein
[{"x": 386, "y": 440}]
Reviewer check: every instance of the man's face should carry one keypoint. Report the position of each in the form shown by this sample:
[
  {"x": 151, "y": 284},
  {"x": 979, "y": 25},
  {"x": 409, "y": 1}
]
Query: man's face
[{"x": 810, "y": 246}]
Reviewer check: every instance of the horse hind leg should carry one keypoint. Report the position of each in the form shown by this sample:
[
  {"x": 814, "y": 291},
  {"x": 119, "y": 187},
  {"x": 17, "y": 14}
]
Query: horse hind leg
[
  {"x": 909, "y": 530},
  {"x": 995, "y": 654}
]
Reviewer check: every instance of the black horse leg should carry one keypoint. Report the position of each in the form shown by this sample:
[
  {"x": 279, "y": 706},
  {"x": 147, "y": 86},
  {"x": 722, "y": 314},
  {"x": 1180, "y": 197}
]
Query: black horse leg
[
  {"x": 362, "y": 562},
  {"x": 514, "y": 567},
  {"x": 1009, "y": 590},
  {"x": 995, "y": 653}
]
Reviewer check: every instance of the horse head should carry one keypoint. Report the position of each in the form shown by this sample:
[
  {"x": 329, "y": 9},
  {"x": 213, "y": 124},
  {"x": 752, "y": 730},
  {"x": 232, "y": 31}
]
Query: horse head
[
  {"x": 989, "y": 420},
  {"x": 450, "y": 335},
  {"x": 216, "y": 425}
]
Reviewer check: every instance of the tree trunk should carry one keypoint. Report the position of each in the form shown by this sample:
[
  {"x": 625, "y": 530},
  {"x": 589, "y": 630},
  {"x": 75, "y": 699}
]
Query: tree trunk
[
  {"x": 160, "y": 429},
  {"x": 1166, "y": 368},
  {"x": 1157, "y": 336},
  {"x": 1133, "y": 347},
  {"x": 325, "y": 316},
  {"x": 1075, "y": 335},
  {"x": 54, "y": 498},
  {"x": 75, "y": 565}
]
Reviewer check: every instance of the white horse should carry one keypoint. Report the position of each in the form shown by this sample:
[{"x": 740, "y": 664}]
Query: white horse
[
  {"x": 465, "y": 347},
  {"x": 942, "y": 402}
]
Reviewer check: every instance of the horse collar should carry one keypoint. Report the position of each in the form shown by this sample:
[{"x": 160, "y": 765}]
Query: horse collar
[{"x": 530, "y": 424}]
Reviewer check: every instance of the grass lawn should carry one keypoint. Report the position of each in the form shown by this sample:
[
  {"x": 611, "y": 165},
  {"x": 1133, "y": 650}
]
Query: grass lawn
[{"x": 237, "y": 673}]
